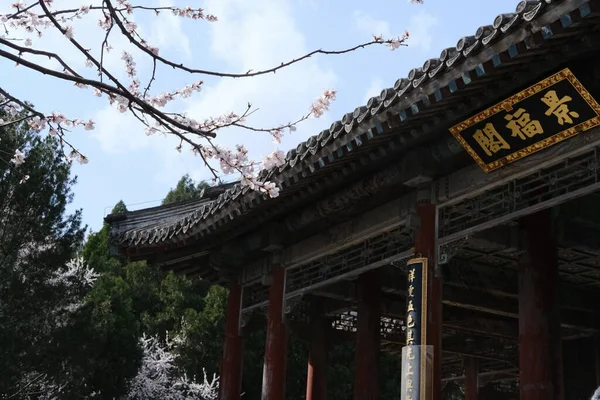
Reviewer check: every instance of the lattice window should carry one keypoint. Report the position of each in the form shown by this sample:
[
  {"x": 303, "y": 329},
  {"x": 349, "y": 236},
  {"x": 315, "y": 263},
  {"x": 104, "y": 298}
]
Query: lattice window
[
  {"x": 254, "y": 294},
  {"x": 568, "y": 179},
  {"x": 372, "y": 253}
]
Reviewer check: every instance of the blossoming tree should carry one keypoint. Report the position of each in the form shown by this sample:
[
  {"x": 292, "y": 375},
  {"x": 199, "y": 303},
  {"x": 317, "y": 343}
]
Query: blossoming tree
[
  {"x": 157, "y": 377},
  {"x": 30, "y": 20}
]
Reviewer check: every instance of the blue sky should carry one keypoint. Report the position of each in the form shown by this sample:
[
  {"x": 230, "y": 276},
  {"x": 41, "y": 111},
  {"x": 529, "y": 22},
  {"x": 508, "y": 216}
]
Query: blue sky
[{"x": 126, "y": 164}]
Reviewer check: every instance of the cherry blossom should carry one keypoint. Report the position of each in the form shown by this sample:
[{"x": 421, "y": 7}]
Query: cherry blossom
[
  {"x": 322, "y": 103},
  {"x": 18, "y": 158},
  {"x": 273, "y": 160},
  {"x": 596, "y": 395},
  {"x": 117, "y": 17},
  {"x": 158, "y": 377}
]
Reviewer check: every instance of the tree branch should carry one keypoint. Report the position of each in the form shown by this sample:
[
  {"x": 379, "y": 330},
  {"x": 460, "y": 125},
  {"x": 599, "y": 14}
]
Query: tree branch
[{"x": 249, "y": 73}]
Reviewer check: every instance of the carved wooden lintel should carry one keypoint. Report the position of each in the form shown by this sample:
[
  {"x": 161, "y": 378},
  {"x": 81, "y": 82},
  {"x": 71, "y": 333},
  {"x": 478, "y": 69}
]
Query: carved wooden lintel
[
  {"x": 292, "y": 304},
  {"x": 346, "y": 199},
  {"x": 446, "y": 251}
]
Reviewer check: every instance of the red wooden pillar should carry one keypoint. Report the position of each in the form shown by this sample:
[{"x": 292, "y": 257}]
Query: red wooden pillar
[
  {"x": 540, "y": 345},
  {"x": 472, "y": 379},
  {"x": 316, "y": 379},
  {"x": 274, "y": 371},
  {"x": 425, "y": 247},
  {"x": 230, "y": 385},
  {"x": 366, "y": 378}
]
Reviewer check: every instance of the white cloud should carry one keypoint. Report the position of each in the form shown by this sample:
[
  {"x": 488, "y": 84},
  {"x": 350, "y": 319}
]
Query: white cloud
[
  {"x": 369, "y": 25},
  {"x": 118, "y": 132},
  {"x": 167, "y": 32},
  {"x": 420, "y": 27},
  {"x": 257, "y": 35},
  {"x": 374, "y": 89}
]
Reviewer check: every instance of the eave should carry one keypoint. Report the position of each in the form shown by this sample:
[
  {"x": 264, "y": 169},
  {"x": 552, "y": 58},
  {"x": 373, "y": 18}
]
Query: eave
[{"x": 478, "y": 71}]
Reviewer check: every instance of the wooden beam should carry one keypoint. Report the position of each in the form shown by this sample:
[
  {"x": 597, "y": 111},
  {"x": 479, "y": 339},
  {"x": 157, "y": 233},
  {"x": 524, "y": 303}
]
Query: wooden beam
[
  {"x": 474, "y": 300},
  {"x": 503, "y": 282},
  {"x": 510, "y": 371},
  {"x": 482, "y": 302}
]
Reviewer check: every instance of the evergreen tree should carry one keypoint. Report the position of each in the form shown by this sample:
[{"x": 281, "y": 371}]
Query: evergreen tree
[
  {"x": 185, "y": 189},
  {"x": 42, "y": 284},
  {"x": 130, "y": 300}
]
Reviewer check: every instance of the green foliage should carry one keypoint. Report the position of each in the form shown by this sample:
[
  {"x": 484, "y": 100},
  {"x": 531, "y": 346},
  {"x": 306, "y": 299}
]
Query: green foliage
[
  {"x": 37, "y": 239},
  {"x": 129, "y": 300},
  {"x": 203, "y": 330},
  {"x": 119, "y": 208},
  {"x": 186, "y": 189},
  {"x": 100, "y": 348},
  {"x": 96, "y": 251},
  {"x": 104, "y": 347}
]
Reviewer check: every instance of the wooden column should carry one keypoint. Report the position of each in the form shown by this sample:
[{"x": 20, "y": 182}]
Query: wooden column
[
  {"x": 472, "y": 378},
  {"x": 274, "y": 371},
  {"x": 540, "y": 347},
  {"x": 366, "y": 379},
  {"x": 230, "y": 386},
  {"x": 316, "y": 379},
  {"x": 425, "y": 247}
]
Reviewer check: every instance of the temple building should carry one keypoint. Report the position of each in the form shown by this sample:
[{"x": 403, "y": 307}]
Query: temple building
[{"x": 453, "y": 220}]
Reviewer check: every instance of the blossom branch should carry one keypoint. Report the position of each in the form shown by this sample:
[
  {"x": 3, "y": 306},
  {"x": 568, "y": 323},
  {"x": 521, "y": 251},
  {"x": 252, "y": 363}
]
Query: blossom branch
[
  {"x": 40, "y": 122},
  {"x": 147, "y": 108},
  {"x": 154, "y": 54}
]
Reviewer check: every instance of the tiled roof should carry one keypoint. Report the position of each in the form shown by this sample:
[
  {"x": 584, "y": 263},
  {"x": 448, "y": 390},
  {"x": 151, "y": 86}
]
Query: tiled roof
[{"x": 436, "y": 81}]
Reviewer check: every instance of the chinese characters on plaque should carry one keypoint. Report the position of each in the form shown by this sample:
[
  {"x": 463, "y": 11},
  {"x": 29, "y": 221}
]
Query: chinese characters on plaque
[
  {"x": 416, "y": 328},
  {"x": 544, "y": 114}
]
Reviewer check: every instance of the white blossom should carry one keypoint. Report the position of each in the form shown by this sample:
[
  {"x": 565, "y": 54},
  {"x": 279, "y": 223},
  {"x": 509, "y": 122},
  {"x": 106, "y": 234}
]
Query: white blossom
[
  {"x": 18, "y": 158},
  {"x": 69, "y": 32},
  {"x": 158, "y": 377}
]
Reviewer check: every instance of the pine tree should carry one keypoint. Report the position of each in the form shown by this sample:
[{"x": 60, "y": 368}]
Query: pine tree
[
  {"x": 185, "y": 189},
  {"x": 42, "y": 284}
]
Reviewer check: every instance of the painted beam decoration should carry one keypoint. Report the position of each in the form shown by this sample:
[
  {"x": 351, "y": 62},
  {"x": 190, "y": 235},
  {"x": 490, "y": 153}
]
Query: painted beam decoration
[
  {"x": 544, "y": 114},
  {"x": 415, "y": 354}
]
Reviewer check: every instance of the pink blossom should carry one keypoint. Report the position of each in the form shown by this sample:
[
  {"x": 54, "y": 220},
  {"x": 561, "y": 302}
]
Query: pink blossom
[
  {"x": 18, "y": 158},
  {"x": 322, "y": 104},
  {"x": 277, "y": 135},
  {"x": 89, "y": 125},
  {"x": 69, "y": 32},
  {"x": 275, "y": 159},
  {"x": 130, "y": 27}
]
